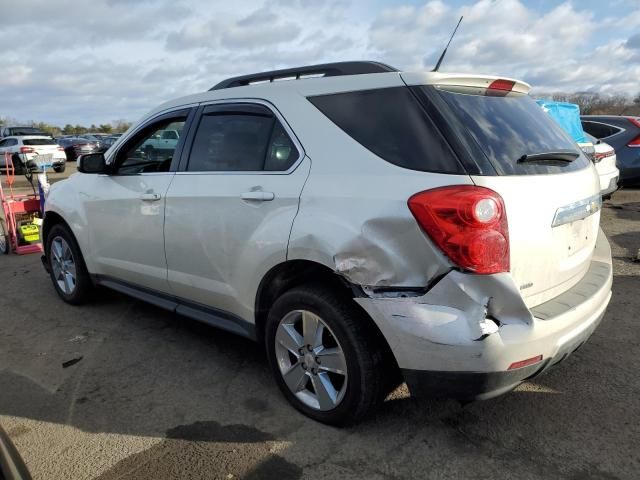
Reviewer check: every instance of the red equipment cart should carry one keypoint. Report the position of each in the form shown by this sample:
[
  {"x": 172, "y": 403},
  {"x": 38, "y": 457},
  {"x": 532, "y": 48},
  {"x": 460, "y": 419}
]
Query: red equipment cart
[{"x": 19, "y": 209}]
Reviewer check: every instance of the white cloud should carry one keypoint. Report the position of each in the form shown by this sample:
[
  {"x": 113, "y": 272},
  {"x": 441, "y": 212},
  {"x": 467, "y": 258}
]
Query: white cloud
[{"x": 92, "y": 62}]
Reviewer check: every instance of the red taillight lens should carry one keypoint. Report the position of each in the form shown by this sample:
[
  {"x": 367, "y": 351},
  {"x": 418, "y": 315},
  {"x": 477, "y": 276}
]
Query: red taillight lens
[
  {"x": 635, "y": 121},
  {"x": 635, "y": 142},
  {"x": 468, "y": 223},
  {"x": 525, "y": 363},
  {"x": 26, "y": 150},
  {"x": 60, "y": 149},
  {"x": 501, "y": 84},
  {"x": 601, "y": 155}
]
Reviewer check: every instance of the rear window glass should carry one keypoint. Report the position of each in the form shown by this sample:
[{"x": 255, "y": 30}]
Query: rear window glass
[
  {"x": 507, "y": 127},
  {"x": 599, "y": 130},
  {"x": 391, "y": 123},
  {"x": 39, "y": 141},
  {"x": 26, "y": 131}
]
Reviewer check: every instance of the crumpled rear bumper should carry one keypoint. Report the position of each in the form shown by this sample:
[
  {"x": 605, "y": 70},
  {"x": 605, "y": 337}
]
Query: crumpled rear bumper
[{"x": 461, "y": 337}]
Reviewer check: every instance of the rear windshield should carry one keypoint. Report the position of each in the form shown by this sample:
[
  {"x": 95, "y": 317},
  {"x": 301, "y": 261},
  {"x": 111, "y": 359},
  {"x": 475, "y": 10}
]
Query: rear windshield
[
  {"x": 39, "y": 141},
  {"x": 26, "y": 131},
  {"x": 391, "y": 123},
  {"x": 507, "y": 127}
]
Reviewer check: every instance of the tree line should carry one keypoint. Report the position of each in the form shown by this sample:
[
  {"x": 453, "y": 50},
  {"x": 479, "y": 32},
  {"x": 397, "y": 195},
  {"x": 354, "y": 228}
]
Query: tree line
[
  {"x": 591, "y": 103},
  {"x": 116, "y": 126}
]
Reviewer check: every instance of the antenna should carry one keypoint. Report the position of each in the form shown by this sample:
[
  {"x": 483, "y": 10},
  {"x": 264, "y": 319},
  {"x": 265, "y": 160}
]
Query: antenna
[{"x": 445, "y": 48}]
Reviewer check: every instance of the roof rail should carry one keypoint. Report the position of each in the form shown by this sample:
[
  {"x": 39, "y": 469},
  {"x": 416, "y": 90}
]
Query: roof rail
[{"x": 323, "y": 70}]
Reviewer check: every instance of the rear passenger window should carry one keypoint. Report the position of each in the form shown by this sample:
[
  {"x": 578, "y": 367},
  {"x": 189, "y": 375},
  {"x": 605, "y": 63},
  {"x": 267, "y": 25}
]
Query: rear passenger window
[
  {"x": 599, "y": 130},
  {"x": 239, "y": 142},
  {"x": 391, "y": 123}
]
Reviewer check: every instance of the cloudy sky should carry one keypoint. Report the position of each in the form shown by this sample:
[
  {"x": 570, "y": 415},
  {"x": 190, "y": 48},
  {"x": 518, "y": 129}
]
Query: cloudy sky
[{"x": 101, "y": 60}]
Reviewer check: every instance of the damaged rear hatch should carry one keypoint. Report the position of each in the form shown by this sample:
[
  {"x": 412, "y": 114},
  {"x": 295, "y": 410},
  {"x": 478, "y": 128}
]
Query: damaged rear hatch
[{"x": 550, "y": 189}]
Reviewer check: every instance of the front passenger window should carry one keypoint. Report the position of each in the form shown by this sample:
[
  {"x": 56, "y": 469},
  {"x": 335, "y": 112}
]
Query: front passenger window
[{"x": 152, "y": 149}]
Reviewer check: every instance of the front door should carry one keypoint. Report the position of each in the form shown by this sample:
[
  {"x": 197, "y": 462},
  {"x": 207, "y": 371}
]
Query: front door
[{"x": 125, "y": 209}]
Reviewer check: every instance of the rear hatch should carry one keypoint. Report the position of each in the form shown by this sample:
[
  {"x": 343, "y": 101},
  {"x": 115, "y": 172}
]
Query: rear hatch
[
  {"x": 550, "y": 189},
  {"x": 41, "y": 146}
]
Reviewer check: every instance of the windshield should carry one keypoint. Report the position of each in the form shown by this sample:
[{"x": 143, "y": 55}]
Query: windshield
[{"x": 508, "y": 127}]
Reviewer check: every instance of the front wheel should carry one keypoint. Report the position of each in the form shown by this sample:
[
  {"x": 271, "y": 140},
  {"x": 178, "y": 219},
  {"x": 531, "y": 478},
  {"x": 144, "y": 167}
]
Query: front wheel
[
  {"x": 323, "y": 355},
  {"x": 66, "y": 266}
]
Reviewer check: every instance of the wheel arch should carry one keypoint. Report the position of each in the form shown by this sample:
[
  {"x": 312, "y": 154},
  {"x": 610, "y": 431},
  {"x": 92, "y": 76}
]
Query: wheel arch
[{"x": 294, "y": 273}]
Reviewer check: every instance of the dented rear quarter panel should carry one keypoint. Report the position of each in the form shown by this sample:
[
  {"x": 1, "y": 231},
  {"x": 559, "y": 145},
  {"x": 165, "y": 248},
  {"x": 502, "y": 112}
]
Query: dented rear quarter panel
[{"x": 353, "y": 215}]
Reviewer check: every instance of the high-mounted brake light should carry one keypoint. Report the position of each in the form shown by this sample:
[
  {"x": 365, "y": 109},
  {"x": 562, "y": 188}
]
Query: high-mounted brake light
[
  {"x": 468, "y": 223},
  {"x": 501, "y": 84}
]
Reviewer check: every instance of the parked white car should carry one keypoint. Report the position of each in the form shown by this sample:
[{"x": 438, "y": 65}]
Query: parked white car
[
  {"x": 366, "y": 227},
  {"x": 24, "y": 150},
  {"x": 605, "y": 161}
]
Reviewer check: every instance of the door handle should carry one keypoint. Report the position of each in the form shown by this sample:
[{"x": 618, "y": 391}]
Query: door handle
[
  {"x": 258, "y": 196},
  {"x": 150, "y": 197}
]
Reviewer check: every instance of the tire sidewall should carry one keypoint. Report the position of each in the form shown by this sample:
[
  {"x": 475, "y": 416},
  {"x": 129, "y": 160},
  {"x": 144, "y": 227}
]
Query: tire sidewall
[
  {"x": 302, "y": 299},
  {"x": 79, "y": 293}
]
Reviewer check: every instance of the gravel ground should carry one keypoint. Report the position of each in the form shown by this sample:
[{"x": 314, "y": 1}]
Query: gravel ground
[{"x": 120, "y": 389}]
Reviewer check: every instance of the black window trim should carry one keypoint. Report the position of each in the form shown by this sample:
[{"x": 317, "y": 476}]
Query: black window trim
[
  {"x": 238, "y": 106},
  {"x": 620, "y": 129},
  {"x": 184, "y": 110}
]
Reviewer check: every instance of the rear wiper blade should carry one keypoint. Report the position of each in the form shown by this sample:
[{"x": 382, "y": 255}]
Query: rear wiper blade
[{"x": 559, "y": 156}]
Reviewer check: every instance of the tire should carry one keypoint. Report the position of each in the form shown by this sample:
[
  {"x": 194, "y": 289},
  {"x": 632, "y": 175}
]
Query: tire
[
  {"x": 348, "y": 328},
  {"x": 59, "y": 168},
  {"x": 4, "y": 238},
  {"x": 18, "y": 166},
  {"x": 79, "y": 290}
]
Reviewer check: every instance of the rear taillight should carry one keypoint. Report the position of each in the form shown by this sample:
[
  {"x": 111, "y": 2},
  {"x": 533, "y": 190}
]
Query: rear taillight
[
  {"x": 468, "y": 223},
  {"x": 60, "y": 149},
  {"x": 26, "y": 150},
  {"x": 602, "y": 155},
  {"x": 636, "y": 141}
]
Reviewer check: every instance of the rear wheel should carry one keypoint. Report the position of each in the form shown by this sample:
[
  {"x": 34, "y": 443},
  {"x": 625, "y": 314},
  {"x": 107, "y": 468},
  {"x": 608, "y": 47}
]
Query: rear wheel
[
  {"x": 324, "y": 358},
  {"x": 66, "y": 266},
  {"x": 59, "y": 168}
]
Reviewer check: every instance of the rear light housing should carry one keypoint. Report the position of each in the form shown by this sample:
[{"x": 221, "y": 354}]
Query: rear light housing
[
  {"x": 26, "y": 150},
  {"x": 60, "y": 149},
  {"x": 636, "y": 141},
  {"x": 602, "y": 155},
  {"x": 468, "y": 223}
]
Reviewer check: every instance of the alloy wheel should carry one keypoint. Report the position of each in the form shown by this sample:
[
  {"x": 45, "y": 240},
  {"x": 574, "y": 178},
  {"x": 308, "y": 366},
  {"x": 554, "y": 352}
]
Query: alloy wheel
[
  {"x": 311, "y": 360},
  {"x": 63, "y": 265}
]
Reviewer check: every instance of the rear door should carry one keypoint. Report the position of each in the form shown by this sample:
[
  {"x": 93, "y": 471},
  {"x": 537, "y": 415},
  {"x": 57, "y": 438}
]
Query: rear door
[
  {"x": 552, "y": 201},
  {"x": 229, "y": 211}
]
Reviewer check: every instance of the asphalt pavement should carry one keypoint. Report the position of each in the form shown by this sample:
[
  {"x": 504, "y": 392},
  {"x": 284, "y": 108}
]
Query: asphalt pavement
[{"x": 121, "y": 390}]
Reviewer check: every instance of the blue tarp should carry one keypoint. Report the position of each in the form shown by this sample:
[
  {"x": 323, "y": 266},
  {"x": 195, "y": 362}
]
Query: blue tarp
[{"x": 568, "y": 117}]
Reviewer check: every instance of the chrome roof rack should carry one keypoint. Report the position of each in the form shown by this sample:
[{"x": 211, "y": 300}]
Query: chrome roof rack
[{"x": 311, "y": 71}]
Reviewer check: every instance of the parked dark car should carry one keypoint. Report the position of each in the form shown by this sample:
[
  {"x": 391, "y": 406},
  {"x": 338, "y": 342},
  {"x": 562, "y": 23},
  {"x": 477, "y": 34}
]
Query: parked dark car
[
  {"x": 21, "y": 131},
  {"x": 97, "y": 139},
  {"x": 623, "y": 134},
  {"x": 74, "y": 146},
  {"x": 108, "y": 141}
]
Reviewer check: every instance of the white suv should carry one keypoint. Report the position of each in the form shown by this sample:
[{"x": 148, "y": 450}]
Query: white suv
[
  {"x": 24, "y": 150},
  {"x": 364, "y": 224}
]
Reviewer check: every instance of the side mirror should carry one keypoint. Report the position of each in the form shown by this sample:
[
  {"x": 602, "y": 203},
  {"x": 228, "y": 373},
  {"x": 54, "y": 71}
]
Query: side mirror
[{"x": 92, "y": 163}]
